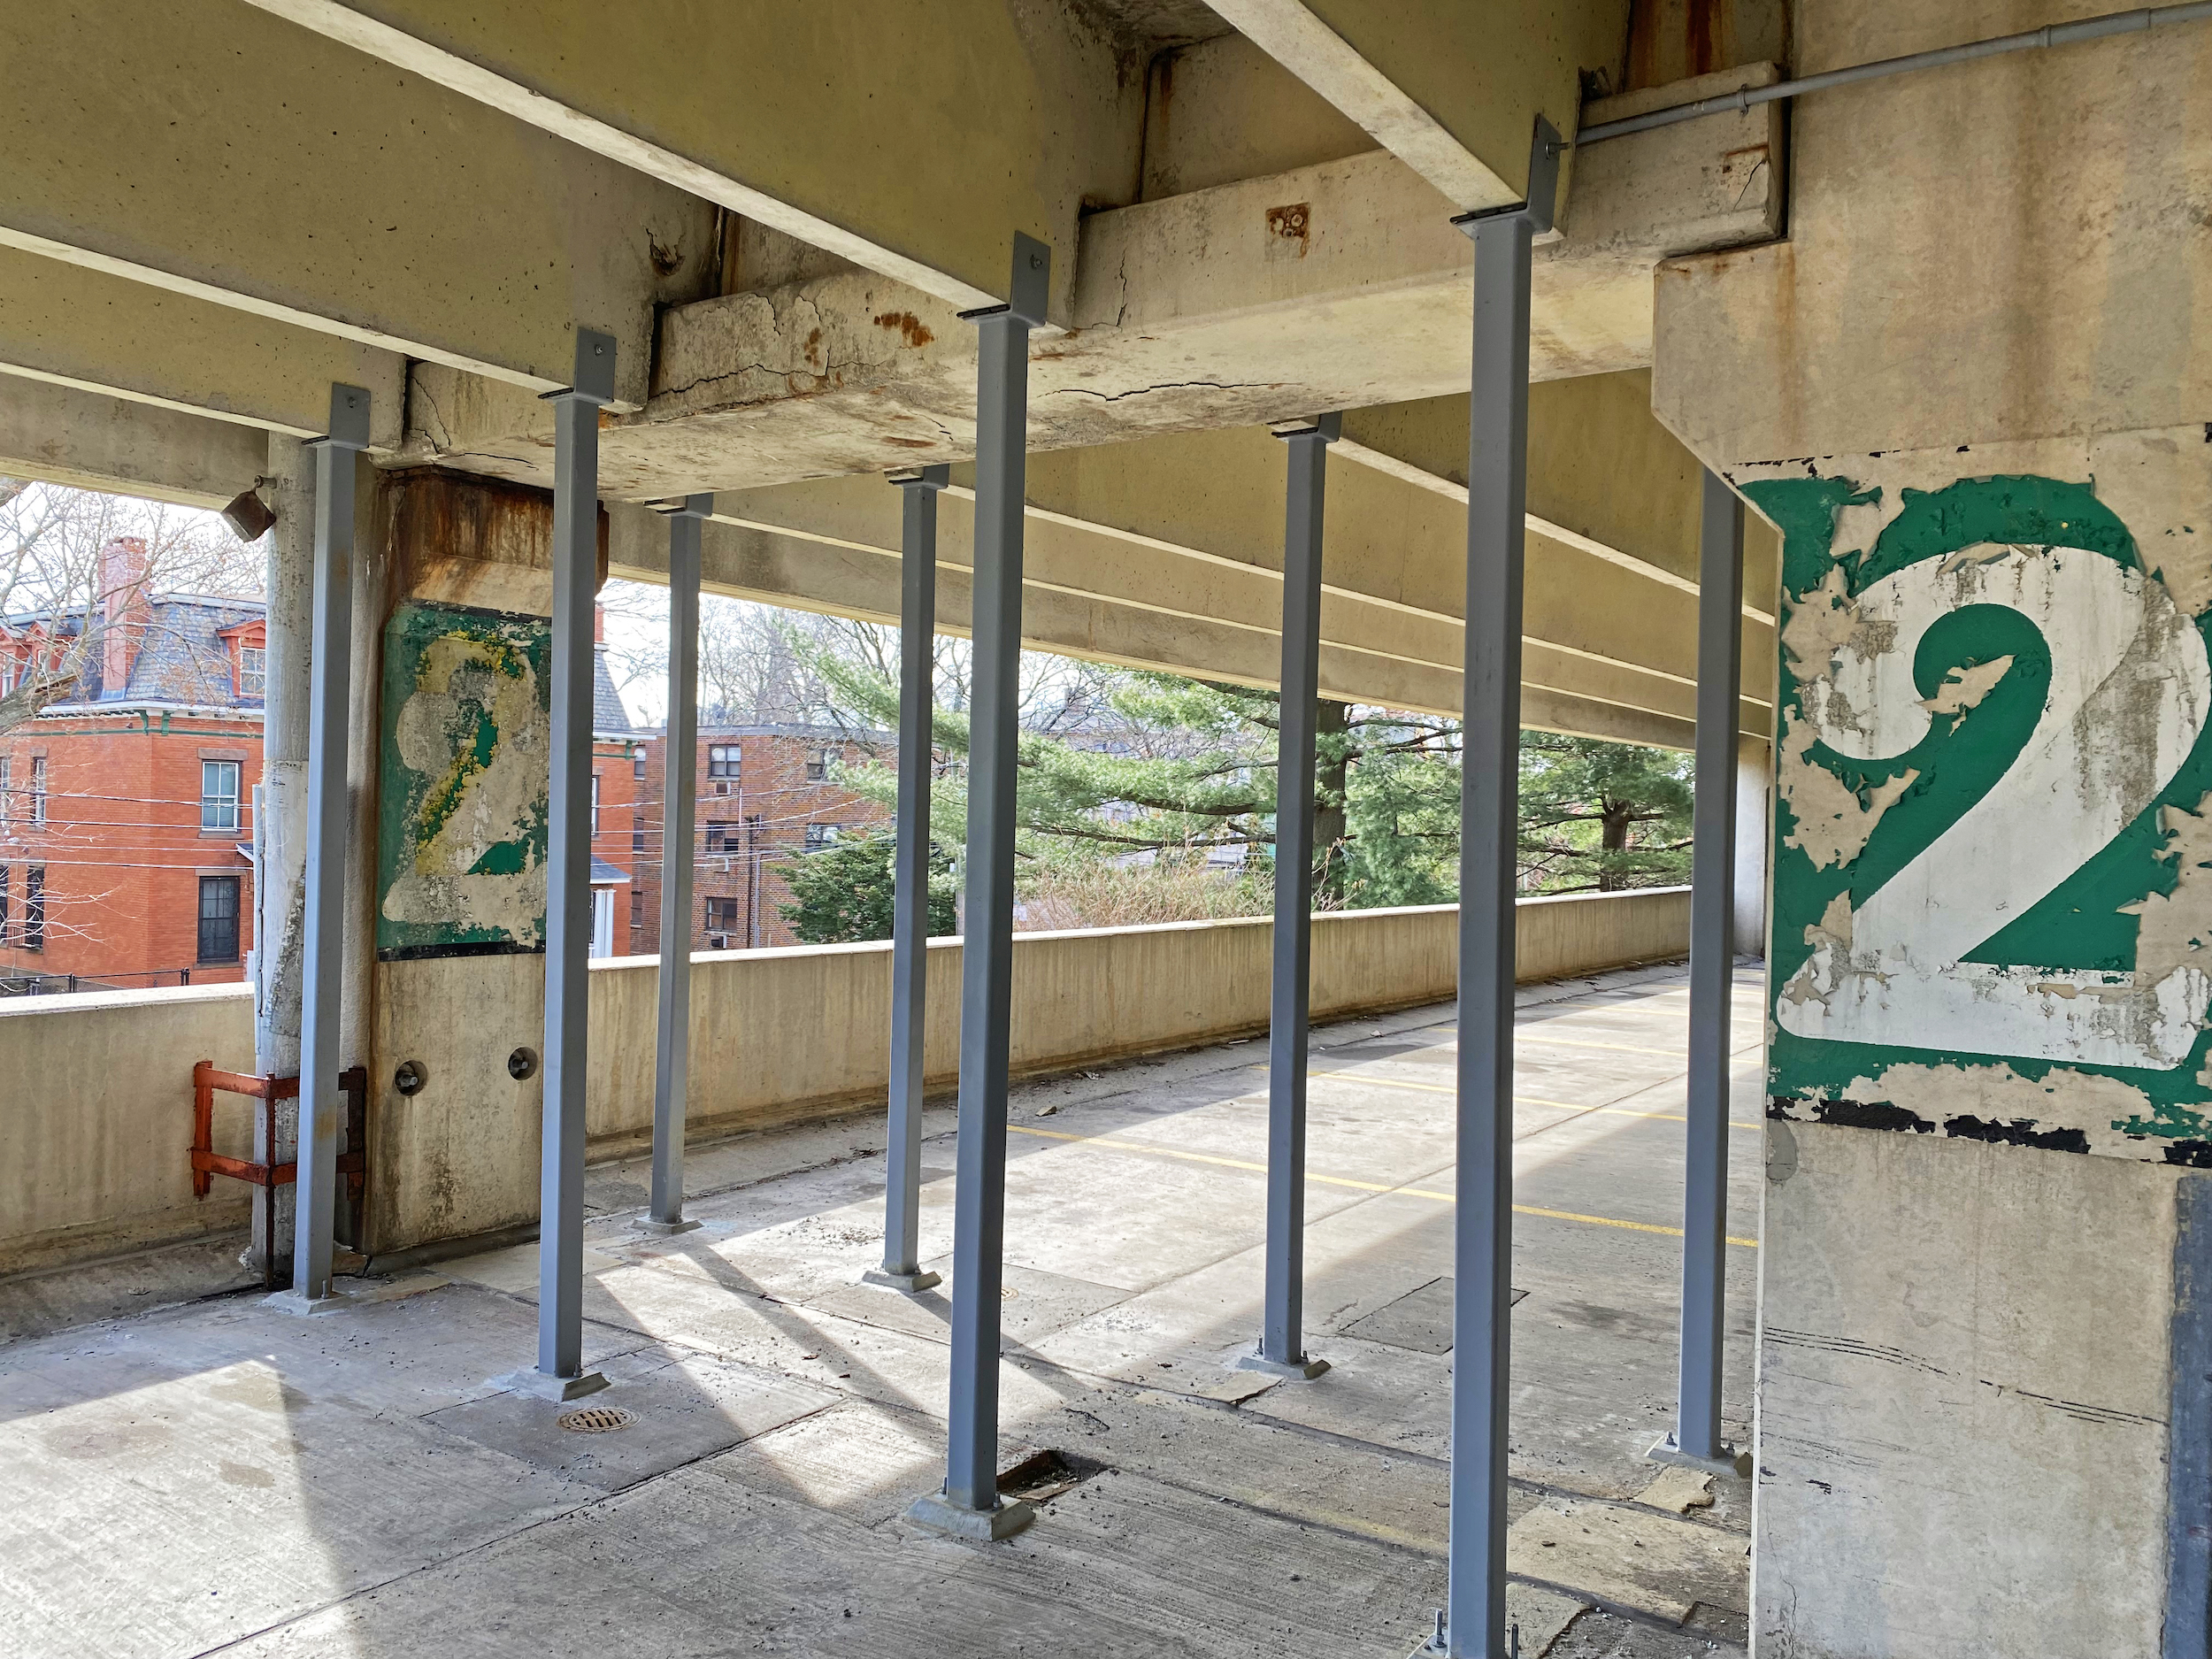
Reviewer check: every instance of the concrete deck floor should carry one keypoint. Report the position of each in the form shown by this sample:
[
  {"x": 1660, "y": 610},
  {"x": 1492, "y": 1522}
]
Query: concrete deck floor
[{"x": 218, "y": 1476}]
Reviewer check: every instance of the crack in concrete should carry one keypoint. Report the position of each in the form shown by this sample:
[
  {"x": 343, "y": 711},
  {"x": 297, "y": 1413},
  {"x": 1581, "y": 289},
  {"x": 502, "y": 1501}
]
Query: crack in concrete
[
  {"x": 1166, "y": 386},
  {"x": 822, "y": 375}
]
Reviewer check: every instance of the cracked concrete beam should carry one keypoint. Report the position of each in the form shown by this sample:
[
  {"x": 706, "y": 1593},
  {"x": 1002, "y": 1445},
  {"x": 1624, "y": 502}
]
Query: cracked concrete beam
[
  {"x": 106, "y": 335},
  {"x": 361, "y": 203},
  {"x": 88, "y": 440},
  {"x": 1337, "y": 286},
  {"x": 1453, "y": 91},
  {"x": 1031, "y": 112}
]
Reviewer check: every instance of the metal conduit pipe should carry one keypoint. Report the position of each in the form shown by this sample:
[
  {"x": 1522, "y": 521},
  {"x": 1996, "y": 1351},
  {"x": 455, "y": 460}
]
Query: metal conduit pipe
[{"x": 2134, "y": 22}]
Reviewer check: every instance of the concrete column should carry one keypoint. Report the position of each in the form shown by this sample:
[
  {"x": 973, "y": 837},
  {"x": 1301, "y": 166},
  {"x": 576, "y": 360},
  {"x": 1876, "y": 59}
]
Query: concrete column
[{"x": 280, "y": 890}]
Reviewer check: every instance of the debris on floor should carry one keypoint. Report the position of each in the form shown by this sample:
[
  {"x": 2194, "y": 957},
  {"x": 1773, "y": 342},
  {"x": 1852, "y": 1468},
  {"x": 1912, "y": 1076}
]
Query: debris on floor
[
  {"x": 1678, "y": 1490},
  {"x": 1630, "y": 1557}
]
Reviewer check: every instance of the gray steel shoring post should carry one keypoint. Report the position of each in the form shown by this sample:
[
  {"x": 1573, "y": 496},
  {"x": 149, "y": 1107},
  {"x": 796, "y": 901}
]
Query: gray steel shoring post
[
  {"x": 969, "y": 1502},
  {"x": 568, "y": 867},
  {"x": 1282, "y": 1333},
  {"x": 1696, "y": 1436},
  {"x": 909, "y": 914},
  {"x": 1497, "y": 468},
  {"x": 680, "y": 790},
  {"x": 321, "y": 1104}
]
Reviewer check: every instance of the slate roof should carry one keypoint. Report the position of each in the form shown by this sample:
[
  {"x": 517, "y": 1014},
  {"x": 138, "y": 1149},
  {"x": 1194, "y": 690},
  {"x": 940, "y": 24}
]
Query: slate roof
[
  {"x": 181, "y": 658},
  {"x": 608, "y": 717}
]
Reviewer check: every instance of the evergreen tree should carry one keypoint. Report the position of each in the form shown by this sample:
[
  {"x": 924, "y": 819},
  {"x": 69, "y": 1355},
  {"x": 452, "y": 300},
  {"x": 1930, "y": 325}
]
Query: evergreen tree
[
  {"x": 843, "y": 893},
  {"x": 1161, "y": 765},
  {"x": 1602, "y": 815}
]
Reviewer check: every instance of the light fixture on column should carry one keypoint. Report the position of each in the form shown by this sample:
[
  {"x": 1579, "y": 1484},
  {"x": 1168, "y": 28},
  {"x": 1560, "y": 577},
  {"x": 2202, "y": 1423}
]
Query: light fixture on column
[{"x": 247, "y": 515}]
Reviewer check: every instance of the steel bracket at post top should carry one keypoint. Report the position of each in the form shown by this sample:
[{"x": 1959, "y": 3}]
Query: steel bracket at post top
[
  {"x": 1543, "y": 187},
  {"x": 1029, "y": 287},
  {"x": 594, "y": 382},
  {"x": 349, "y": 420}
]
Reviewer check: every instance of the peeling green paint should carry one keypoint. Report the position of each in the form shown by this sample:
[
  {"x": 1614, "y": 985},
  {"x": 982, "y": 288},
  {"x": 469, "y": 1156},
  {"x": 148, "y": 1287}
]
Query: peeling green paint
[
  {"x": 462, "y": 820},
  {"x": 2080, "y": 924}
]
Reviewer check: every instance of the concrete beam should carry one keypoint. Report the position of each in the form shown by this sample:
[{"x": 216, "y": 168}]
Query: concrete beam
[
  {"x": 913, "y": 140},
  {"x": 65, "y": 435},
  {"x": 1451, "y": 90},
  {"x": 1183, "y": 531},
  {"x": 1603, "y": 475},
  {"x": 851, "y": 580},
  {"x": 104, "y": 333},
  {"x": 226, "y": 156},
  {"x": 1341, "y": 284}
]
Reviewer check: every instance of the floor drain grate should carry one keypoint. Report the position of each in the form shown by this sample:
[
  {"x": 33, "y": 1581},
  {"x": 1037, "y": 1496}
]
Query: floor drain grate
[{"x": 597, "y": 1420}]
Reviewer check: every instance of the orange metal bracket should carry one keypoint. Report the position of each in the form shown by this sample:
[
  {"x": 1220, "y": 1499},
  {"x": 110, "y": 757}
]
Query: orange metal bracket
[{"x": 208, "y": 1080}]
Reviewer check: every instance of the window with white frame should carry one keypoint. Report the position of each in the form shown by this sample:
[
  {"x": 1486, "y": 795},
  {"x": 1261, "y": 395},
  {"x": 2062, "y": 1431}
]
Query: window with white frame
[
  {"x": 7, "y": 781},
  {"x": 218, "y": 795},
  {"x": 253, "y": 671},
  {"x": 38, "y": 789},
  {"x": 595, "y": 803}
]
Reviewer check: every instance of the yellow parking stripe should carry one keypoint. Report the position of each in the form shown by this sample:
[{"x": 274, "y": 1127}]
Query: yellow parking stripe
[{"x": 1144, "y": 1149}]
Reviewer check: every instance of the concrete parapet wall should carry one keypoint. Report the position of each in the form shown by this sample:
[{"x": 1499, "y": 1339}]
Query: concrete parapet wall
[
  {"x": 809, "y": 1026},
  {"x": 96, "y": 1118}
]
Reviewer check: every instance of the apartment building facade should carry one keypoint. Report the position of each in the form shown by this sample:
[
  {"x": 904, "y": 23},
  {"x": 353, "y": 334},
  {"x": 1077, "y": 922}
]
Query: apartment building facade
[
  {"x": 767, "y": 795},
  {"x": 127, "y": 807}
]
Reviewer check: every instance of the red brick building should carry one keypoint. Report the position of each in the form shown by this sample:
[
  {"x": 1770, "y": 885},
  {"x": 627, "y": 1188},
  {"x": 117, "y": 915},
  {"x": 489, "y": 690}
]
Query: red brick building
[
  {"x": 127, "y": 808},
  {"x": 767, "y": 795},
  {"x": 617, "y": 822},
  {"x": 127, "y": 820}
]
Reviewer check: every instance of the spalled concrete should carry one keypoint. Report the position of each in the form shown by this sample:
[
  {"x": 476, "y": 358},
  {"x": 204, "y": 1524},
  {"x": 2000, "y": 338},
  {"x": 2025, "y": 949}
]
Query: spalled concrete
[{"x": 353, "y": 1485}]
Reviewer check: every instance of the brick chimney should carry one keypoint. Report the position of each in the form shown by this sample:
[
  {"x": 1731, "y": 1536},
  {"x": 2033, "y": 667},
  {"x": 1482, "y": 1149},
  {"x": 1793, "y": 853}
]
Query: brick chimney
[
  {"x": 128, "y": 607},
  {"x": 598, "y": 623}
]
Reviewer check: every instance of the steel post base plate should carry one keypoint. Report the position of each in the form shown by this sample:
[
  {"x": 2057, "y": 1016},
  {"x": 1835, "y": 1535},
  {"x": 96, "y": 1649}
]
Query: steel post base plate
[
  {"x": 908, "y": 1282},
  {"x": 1299, "y": 1371},
  {"x": 985, "y": 1527},
  {"x": 646, "y": 1224},
  {"x": 356, "y": 1294},
  {"x": 547, "y": 1387},
  {"x": 1732, "y": 1461}
]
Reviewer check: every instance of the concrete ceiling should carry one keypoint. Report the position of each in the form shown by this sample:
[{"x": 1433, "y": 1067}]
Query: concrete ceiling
[{"x": 440, "y": 196}]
